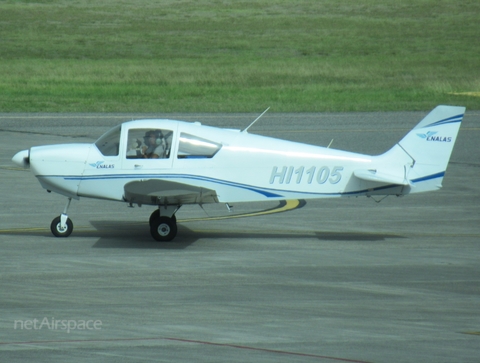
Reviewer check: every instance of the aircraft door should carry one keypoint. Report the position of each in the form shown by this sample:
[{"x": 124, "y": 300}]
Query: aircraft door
[{"x": 148, "y": 149}]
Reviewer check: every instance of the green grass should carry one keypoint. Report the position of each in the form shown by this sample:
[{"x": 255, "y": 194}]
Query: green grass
[{"x": 238, "y": 56}]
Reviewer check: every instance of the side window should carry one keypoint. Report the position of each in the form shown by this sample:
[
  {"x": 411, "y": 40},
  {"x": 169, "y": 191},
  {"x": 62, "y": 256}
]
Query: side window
[
  {"x": 109, "y": 143},
  {"x": 191, "y": 146},
  {"x": 149, "y": 144}
]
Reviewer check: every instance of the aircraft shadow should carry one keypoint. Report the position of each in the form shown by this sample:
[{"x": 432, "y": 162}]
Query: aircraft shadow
[
  {"x": 136, "y": 235},
  {"x": 355, "y": 236}
]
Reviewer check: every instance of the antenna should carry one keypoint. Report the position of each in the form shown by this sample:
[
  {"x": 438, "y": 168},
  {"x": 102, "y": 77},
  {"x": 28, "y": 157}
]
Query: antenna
[{"x": 263, "y": 113}]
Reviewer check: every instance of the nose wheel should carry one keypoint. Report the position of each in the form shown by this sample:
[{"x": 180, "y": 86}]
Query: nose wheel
[
  {"x": 61, "y": 229},
  {"x": 62, "y": 226}
]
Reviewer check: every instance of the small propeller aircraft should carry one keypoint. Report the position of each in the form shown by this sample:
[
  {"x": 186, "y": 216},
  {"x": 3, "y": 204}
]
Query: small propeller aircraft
[{"x": 168, "y": 163}]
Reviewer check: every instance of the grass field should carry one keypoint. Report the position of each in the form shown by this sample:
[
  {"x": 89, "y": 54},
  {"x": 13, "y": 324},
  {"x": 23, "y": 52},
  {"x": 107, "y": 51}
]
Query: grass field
[{"x": 238, "y": 56}]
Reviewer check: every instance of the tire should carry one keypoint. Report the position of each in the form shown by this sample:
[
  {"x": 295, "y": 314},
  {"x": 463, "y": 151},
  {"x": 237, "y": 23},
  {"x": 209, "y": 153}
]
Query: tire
[
  {"x": 57, "y": 231},
  {"x": 156, "y": 214},
  {"x": 163, "y": 229}
]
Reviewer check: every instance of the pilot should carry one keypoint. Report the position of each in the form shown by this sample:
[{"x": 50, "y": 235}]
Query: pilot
[{"x": 155, "y": 145}]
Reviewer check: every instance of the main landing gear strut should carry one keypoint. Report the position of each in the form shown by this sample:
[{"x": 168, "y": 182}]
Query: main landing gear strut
[{"x": 163, "y": 225}]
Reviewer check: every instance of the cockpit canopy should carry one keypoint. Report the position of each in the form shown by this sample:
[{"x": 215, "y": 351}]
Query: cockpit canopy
[{"x": 150, "y": 142}]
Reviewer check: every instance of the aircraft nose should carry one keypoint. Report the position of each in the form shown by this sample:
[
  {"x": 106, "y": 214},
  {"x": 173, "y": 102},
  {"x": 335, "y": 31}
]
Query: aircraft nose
[{"x": 22, "y": 158}]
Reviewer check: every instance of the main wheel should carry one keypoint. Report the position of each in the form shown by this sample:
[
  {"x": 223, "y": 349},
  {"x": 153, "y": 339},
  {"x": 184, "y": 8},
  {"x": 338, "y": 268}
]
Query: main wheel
[
  {"x": 57, "y": 229},
  {"x": 163, "y": 229},
  {"x": 156, "y": 214}
]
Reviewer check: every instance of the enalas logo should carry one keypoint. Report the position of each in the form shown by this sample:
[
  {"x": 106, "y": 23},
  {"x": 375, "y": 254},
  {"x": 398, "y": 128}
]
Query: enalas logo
[
  {"x": 101, "y": 165},
  {"x": 430, "y": 136}
]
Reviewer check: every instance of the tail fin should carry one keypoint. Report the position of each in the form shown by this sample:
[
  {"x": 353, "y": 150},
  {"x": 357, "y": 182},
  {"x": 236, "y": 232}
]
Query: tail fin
[
  {"x": 418, "y": 162},
  {"x": 430, "y": 145}
]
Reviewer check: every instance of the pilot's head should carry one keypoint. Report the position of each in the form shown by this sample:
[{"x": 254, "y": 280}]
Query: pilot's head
[{"x": 153, "y": 137}]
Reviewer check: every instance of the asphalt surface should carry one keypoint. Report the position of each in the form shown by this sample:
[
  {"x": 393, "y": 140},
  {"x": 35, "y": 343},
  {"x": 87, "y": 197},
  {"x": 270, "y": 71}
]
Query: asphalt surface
[{"x": 337, "y": 280}]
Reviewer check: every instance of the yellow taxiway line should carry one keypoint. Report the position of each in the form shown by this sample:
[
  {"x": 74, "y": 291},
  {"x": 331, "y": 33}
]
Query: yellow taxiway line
[{"x": 283, "y": 206}]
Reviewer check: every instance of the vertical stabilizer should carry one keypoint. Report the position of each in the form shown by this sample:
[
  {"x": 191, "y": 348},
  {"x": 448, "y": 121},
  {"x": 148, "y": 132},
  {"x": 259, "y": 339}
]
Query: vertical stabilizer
[{"x": 430, "y": 145}]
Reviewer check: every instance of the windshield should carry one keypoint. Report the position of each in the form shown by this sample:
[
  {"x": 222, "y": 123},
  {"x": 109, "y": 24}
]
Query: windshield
[{"x": 108, "y": 144}]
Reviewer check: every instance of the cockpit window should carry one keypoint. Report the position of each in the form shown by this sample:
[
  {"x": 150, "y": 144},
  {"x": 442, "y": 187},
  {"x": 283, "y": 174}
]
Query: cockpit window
[
  {"x": 192, "y": 146},
  {"x": 108, "y": 143},
  {"x": 149, "y": 143}
]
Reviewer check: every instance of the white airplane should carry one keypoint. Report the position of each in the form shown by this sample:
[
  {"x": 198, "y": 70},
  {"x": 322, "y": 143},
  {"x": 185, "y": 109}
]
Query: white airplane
[{"x": 168, "y": 163}]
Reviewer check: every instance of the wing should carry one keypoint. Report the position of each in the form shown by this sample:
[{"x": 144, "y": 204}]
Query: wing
[{"x": 164, "y": 192}]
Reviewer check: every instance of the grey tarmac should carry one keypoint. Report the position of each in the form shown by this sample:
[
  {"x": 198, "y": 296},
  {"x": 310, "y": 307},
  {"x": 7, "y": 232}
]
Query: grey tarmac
[{"x": 335, "y": 280}]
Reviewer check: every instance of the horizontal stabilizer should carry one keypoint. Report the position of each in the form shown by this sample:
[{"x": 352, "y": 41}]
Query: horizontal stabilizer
[{"x": 380, "y": 177}]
